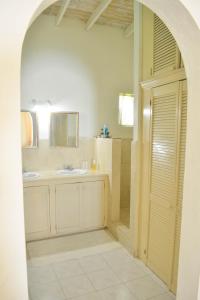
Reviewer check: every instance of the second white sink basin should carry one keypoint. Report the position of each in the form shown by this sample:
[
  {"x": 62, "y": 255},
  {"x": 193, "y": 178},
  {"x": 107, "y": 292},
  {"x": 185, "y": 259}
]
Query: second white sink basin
[
  {"x": 72, "y": 172},
  {"x": 30, "y": 174}
]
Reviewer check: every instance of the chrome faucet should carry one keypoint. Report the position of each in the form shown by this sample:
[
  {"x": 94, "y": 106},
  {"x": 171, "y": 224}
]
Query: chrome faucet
[{"x": 68, "y": 167}]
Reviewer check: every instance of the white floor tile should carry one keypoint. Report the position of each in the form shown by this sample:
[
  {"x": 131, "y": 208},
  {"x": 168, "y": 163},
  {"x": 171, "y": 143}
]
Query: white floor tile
[
  {"x": 128, "y": 271},
  {"x": 67, "y": 268},
  {"x": 47, "y": 291},
  {"x": 145, "y": 288},
  {"x": 42, "y": 274},
  {"x": 90, "y": 266},
  {"x": 91, "y": 296},
  {"x": 69, "y": 243},
  {"x": 167, "y": 296},
  {"x": 117, "y": 257},
  {"x": 103, "y": 279},
  {"x": 76, "y": 286},
  {"x": 119, "y": 292},
  {"x": 93, "y": 263},
  {"x": 156, "y": 279},
  {"x": 74, "y": 254}
]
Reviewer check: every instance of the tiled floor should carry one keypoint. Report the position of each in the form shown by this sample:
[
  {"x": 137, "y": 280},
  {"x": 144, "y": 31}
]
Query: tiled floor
[
  {"x": 102, "y": 272},
  {"x": 69, "y": 243}
]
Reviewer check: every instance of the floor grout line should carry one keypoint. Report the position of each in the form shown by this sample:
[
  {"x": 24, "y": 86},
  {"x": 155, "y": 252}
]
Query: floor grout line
[{"x": 77, "y": 254}]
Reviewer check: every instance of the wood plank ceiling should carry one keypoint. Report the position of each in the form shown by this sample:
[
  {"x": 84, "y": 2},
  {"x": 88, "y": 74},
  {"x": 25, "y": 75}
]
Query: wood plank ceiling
[{"x": 116, "y": 13}]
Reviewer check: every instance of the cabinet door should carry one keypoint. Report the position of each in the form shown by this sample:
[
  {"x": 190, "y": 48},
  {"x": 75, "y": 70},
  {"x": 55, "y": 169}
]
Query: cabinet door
[
  {"x": 67, "y": 208},
  {"x": 36, "y": 210},
  {"x": 92, "y": 204},
  {"x": 163, "y": 181}
]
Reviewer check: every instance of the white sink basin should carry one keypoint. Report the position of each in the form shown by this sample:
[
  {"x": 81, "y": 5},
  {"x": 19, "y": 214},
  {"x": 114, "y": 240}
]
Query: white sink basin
[
  {"x": 30, "y": 175},
  {"x": 72, "y": 172}
]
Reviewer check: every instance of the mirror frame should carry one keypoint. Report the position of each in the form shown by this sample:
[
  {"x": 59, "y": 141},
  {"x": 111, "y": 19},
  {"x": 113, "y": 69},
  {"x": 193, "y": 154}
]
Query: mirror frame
[
  {"x": 37, "y": 130},
  {"x": 77, "y": 128}
]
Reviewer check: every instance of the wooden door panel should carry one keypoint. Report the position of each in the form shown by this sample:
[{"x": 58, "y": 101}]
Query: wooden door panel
[
  {"x": 37, "y": 211},
  {"x": 67, "y": 208},
  {"x": 92, "y": 204},
  {"x": 163, "y": 185}
]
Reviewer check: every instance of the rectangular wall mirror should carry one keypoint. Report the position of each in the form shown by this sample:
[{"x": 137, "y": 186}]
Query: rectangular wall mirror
[
  {"x": 64, "y": 129},
  {"x": 29, "y": 129}
]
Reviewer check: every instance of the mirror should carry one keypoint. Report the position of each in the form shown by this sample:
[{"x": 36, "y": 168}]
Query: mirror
[
  {"x": 29, "y": 129},
  {"x": 64, "y": 129}
]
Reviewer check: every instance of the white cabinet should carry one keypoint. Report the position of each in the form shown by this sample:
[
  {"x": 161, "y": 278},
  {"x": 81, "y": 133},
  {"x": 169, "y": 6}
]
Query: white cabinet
[
  {"x": 92, "y": 204},
  {"x": 67, "y": 205},
  {"x": 62, "y": 208},
  {"x": 79, "y": 206},
  {"x": 37, "y": 215}
]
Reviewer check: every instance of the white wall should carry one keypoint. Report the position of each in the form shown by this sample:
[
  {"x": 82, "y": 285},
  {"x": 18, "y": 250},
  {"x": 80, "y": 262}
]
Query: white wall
[
  {"x": 78, "y": 71},
  {"x": 13, "y": 279}
]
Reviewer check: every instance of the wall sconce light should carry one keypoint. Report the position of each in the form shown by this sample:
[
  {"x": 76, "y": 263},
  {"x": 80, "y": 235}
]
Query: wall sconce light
[{"x": 43, "y": 110}]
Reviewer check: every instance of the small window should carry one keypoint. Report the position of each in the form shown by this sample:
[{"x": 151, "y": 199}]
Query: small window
[{"x": 126, "y": 110}]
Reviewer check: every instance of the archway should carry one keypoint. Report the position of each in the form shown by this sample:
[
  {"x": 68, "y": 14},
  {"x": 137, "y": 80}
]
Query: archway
[
  {"x": 171, "y": 12},
  {"x": 164, "y": 11}
]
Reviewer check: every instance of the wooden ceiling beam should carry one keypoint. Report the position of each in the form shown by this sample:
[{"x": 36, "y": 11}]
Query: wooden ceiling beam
[
  {"x": 129, "y": 30},
  {"x": 62, "y": 11},
  {"x": 97, "y": 13}
]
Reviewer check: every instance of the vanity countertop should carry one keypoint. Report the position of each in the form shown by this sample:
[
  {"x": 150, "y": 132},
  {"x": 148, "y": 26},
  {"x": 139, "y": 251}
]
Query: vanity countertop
[{"x": 54, "y": 175}]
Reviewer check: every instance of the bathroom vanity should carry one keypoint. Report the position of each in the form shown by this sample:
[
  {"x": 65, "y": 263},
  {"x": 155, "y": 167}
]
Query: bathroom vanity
[{"x": 58, "y": 204}]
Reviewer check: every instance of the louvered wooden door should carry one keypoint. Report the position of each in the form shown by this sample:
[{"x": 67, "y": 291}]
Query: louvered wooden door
[
  {"x": 166, "y": 55},
  {"x": 163, "y": 185},
  {"x": 180, "y": 179}
]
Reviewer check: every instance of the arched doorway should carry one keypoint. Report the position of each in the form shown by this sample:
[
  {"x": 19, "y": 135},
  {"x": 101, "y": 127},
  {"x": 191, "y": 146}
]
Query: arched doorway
[
  {"x": 171, "y": 12},
  {"x": 164, "y": 12}
]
